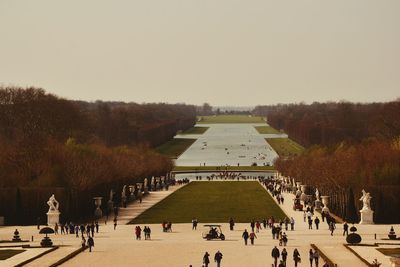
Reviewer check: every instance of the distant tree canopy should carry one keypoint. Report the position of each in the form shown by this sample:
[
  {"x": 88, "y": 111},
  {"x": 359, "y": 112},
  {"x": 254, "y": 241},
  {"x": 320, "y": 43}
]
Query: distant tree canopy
[
  {"x": 46, "y": 140},
  {"x": 205, "y": 110},
  {"x": 332, "y": 123}
]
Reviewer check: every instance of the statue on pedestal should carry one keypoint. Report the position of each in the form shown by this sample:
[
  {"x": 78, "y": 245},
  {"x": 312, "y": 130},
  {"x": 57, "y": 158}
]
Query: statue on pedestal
[
  {"x": 367, "y": 214},
  {"x": 317, "y": 202},
  {"x": 53, "y": 215}
]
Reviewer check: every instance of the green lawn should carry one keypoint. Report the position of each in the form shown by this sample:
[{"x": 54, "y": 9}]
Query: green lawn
[
  {"x": 285, "y": 147},
  {"x": 175, "y": 147},
  {"x": 8, "y": 253},
  {"x": 217, "y": 168},
  {"x": 214, "y": 202},
  {"x": 231, "y": 119},
  {"x": 196, "y": 130},
  {"x": 267, "y": 130}
]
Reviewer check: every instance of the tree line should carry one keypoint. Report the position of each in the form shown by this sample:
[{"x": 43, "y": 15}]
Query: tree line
[
  {"x": 350, "y": 147},
  {"x": 51, "y": 141},
  {"x": 331, "y": 123}
]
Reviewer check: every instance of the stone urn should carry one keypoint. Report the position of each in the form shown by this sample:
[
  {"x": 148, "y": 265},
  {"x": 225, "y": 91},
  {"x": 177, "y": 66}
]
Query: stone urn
[
  {"x": 16, "y": 237},
  {"x": 325, "y": 202},
  {"x": 392, "y": 234}
]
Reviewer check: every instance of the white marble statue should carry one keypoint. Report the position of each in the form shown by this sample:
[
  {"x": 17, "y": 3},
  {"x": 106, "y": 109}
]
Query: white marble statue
[
  {"x": 53, "y": 204},
  {"x": 317, "y": 194},
  {"x": 145, "y": 182},
  {"x": 366, "y": 199}
]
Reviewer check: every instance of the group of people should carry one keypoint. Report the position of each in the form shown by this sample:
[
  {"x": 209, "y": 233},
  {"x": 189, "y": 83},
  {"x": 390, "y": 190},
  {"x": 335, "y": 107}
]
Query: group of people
[
  {"x": 267, "y": 223},
  {"x": 146, "y": 231},
  {"x": 217, "y": 259},
  {"x": 70, "y": 228},
  {"x": 166, "y": 226},
  {"x": 282, "y": 256}
]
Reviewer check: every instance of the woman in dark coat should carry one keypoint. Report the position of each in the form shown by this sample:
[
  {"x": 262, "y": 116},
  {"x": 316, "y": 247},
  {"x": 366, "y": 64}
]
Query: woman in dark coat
[{"x": 206, "y": 259}]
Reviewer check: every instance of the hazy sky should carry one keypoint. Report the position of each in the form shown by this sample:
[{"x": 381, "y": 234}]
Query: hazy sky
[{"x": 225, "y": 52}]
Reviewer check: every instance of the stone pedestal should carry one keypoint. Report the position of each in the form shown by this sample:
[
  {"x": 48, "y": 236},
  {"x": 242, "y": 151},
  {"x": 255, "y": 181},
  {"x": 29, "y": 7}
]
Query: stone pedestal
[
  {"x": 318, "y": 205},
  {"x": 53, "y": 217},
  {"x": 367, "y": 216}
]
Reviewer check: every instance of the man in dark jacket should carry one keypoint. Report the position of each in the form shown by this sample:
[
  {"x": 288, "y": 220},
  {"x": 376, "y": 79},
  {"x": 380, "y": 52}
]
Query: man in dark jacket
[
  {"x": 90, "y": 243},
  {"x": 275, "y": 254},
  {"x": 316, "y": 221},
  {"x": 218, "y": 258},
  {"x": 245, "y": 236},
  {"x": 231, "y": 224}
]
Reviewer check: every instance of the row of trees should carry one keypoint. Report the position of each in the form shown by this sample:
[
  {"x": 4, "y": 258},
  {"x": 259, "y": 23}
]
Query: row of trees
[
  {"x": 350, "y": 147},
  {"x": 332, "y": 123},
  {"x": 49, "y": 141},
  {"x": 343, "y": 170}
]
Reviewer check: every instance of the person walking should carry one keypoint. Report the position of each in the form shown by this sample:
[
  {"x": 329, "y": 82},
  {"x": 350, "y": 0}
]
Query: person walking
[
  {"x": 90, "y": 243},
  {"x": 323, "y": 216},
  {"x": 310, "y": 223},
  {"x": 291, "y": 223},
  {"x": 83, "y": 242},
  {"x": 311, "y": 256},
  {"x": 252, "y": 225},
  {"x": 284, "y": 239},
  {"x": 275, "y": 254},
  {"x": 252, "y": 236},
  {"x": 258, "y": 226},
  {"x": 345, "y": 229},
  {"x": 218, "y": 258},
  {"x": 245, "y": 236},
  {"x": 284, "y": 256},
  {"x": 97, "y": 227},
  {"x": 206, "y": 259},
  {"x": 115, "y": 222},
  {"x": 92, "y": 228},
  {"x": 194, "y": 224},
  {"x": 332, "y": 227},
  {"x": 296, "y": 257},
  {"x": 148, "y": 233},
  {"x": 316, "y": 257},
  {"x": 304, "y": 216},
  {"x": 231, "y": 224},
  {"x": 56, "y": 229},
  {"x": 138, "y": 232},
  {"x": 316, "y": 221}
]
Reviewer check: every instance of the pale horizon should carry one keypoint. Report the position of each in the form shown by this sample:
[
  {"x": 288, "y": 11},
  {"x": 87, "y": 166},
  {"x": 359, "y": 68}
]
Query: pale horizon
[{"x": 226, "y": 53}]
